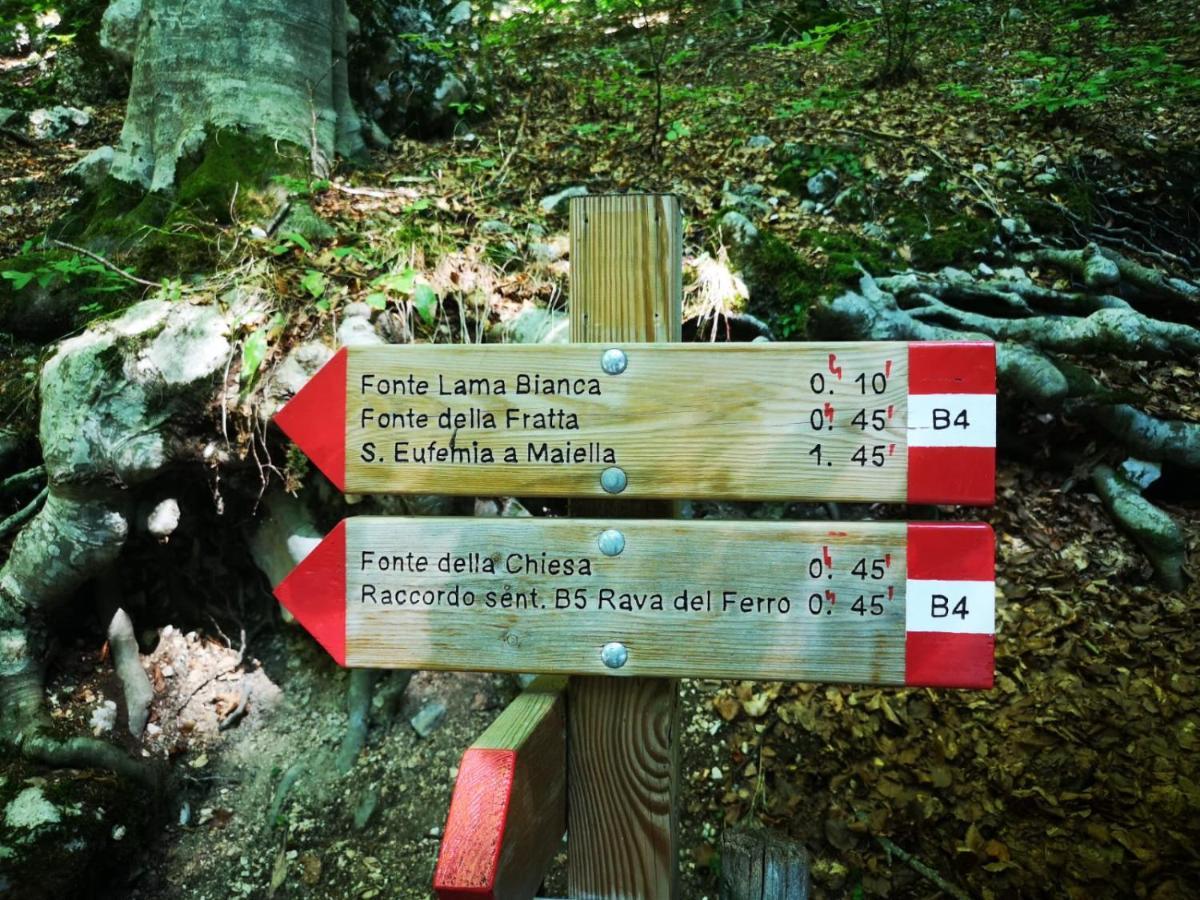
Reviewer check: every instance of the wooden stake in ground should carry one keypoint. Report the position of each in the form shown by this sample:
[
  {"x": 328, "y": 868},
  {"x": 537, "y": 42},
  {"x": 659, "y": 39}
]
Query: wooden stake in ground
[{"x": 623, "y": 748}]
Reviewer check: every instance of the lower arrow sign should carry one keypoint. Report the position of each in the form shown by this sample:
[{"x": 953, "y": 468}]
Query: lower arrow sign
[{"x": 914, "y": 602}]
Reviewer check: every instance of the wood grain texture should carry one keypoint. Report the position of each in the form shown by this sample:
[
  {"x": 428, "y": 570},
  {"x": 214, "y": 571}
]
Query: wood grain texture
[
  {"x": 508, "y": 813},
  {"x": 757, "y": 864},
  {"x": 623, "y": 753},
  {"x": 721, "y": 421},
  {"x": 494, "y": 620}
]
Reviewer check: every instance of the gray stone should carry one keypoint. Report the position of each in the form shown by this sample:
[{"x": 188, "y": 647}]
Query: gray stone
[
  {"x": 450, "y": 91},
  {"x": 30, "y": 809},
  {"x": 809, "y": 207},
  {"x": 823, "y": 184},
  {"x": 460, "y": 14},
  {"x": 93, "y": 168},
  {"x": 978, "y": 169},
  {"x": 494, "y": 226},
  {"x": 552, "y": 202},
  {"x": 546, "y": 253},
  {"x": 1045, "y": 179},
  {"x": 119, "y": 29},
  {"x": 875, "y": 231},
  {"x": 291, "y": 375},
  {"x": 56, "y": 121},
  {"x": 760, "y": 142},
  {"x": 1030, "y": 85},
  {"x": 1008, "y": 226},
  {"x": 429, "y": 718},
  {"x": 102, "y": 389},
  {"x": 1015, "y": 15},
  {"x": 739, "y": 228},
  {"x": 535, "y": 325},
  {"x": 356, "y": 331},
  {"x": 984, "y": 270},
  {"x": 917, "y": 177}
]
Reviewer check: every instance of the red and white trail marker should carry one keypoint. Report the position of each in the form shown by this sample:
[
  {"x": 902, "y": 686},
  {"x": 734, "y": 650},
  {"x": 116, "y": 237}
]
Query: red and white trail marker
[
  {"x": 882, "y": 422},
  {"x": 874, "y": 602}
]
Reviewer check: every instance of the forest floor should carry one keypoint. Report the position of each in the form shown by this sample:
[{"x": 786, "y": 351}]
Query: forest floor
[{"x": 1077, "y": 776}]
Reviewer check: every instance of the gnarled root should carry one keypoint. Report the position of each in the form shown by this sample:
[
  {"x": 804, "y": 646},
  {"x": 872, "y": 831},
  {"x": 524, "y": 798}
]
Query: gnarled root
[
  {"x": 1153, "y": 530},
  {"x": 24, "y": 727},
  {"x": 128, "y": 662}
]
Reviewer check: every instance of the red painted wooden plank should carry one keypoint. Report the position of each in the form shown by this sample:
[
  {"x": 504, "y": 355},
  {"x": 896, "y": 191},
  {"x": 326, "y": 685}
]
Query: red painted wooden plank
[
  {"x": 945, "y": 659},
  {"x": 961, "y": 475},
  {"x": 961, "y": 367},
  {"x": 951, "y": 551},
  {"x": 469, "y": 861}
]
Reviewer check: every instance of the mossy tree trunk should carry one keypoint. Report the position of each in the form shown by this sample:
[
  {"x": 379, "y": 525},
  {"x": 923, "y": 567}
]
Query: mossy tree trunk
[{"x": 268, "y": 68}]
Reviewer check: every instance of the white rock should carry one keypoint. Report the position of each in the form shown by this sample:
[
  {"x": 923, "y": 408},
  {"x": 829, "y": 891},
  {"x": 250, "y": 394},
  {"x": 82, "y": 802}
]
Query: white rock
[
  {"x": 56, "y": 121},
  {"x": 552, "y": 202},
  {"x": 30, "y": 809},
  {"x": 164, "y": 518},
  {"x": 104, "y": 717}
]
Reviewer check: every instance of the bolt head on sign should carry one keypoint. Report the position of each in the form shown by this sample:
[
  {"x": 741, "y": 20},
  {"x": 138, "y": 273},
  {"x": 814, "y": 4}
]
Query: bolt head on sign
[{"x": 883, "y": 421}]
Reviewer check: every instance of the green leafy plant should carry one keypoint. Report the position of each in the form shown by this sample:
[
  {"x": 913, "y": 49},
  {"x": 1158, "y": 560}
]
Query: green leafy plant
[
  {"x": 76, "y": 269},
  {"x": 421, "y": 296}
]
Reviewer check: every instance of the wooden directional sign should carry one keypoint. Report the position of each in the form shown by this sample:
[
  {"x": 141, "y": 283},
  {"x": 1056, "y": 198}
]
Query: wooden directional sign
[
  {"x": 881, "y": 603},
  {"x": 856, "y": 421}
]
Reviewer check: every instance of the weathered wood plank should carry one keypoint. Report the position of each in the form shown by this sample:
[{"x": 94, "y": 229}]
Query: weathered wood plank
[
  {"x": 883, "y": 603},
  {"x": 623, "y": 755},
  {"x": 856, "y": 421},
  {"x": 757, "y": 864},
  {"x": 508, "y": 812}
]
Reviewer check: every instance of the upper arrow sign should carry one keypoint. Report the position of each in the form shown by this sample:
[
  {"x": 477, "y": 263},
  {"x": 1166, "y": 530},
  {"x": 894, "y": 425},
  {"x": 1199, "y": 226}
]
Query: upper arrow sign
[{"x": 850, "y": 421}]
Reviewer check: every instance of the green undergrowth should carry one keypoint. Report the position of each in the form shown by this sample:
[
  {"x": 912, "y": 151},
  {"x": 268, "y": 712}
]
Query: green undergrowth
[
  {"x": 233, "y": 181},
  {"x": 789, "y": 278}
]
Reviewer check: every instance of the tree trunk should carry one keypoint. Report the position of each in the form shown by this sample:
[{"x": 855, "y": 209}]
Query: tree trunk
[{"x": 269, "y": 68}]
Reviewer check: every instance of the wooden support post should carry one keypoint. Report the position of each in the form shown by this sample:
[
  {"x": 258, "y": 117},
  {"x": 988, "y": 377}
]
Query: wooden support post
[
  {"x": 623, "y": 733},
  {"x": 757, "y": 864},
  {"x": 508, "y": 812}
]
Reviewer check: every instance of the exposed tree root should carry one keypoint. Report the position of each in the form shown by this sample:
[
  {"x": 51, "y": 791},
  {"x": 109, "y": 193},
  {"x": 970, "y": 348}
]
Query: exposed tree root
[
  {"x": 128, "y": 662},
  {"x": 358, "y": 705},
  {"x": 1034, "y": 326},
  {"x": 1153, "y": 530},
  {"x": 1148, "y": 437},
  {"x": 1100, "y": 267}
]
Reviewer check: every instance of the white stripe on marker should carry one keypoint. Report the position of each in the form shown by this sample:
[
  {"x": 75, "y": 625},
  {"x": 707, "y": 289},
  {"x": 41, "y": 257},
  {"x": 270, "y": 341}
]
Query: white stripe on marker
[
  {"x": 962, "y": 607},
  {"x": 952, "y": 420}
]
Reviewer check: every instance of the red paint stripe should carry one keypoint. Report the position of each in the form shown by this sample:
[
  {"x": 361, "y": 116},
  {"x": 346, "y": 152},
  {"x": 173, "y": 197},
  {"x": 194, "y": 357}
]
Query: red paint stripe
[
  {"x": 965, "y": 475},
  {"x": 952, "y": 367},
  {"x": 951, "y": 551},
  {"x": 936, "y": 659},
  {"x": 469, "y": 861},
  {"x": 315, "y": 419},
  {"x": 315, "y": 592}
]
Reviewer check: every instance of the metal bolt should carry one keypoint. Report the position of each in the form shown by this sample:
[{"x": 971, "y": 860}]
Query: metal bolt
[
  {"x": 614, "y": 361},
  {"x": 614, "y": 655},
  {"x": 611, "y": 542},
  {"x": 613, "y": 480}
]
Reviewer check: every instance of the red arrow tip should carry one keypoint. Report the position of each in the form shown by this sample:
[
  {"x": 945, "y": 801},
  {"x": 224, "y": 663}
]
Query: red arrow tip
[
  {"x": 315, "y": 593},
  {"x": 316, "y": 419}
]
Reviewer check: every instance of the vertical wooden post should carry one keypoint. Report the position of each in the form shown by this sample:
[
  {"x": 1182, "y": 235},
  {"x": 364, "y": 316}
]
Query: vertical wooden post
[{"x": 623, "y": 733}]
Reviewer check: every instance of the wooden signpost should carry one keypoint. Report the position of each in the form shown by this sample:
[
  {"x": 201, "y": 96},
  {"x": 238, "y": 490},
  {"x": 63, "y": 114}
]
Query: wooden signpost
[
  {"x": 857, "y": 421},
  {"x": 858, "y": 602},
  {"x": 621, "y": 596}
]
